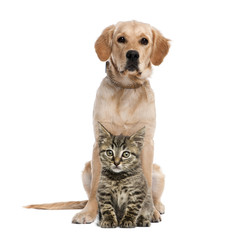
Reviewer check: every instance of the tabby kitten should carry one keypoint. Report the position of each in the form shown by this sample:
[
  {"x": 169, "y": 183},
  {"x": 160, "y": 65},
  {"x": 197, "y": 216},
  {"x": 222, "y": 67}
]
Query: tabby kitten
[{"x": 123, "y": 196}]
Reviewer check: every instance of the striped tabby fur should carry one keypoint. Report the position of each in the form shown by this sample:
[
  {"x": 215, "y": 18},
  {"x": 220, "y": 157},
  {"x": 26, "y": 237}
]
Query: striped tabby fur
[{"x": 123, "y": 196}]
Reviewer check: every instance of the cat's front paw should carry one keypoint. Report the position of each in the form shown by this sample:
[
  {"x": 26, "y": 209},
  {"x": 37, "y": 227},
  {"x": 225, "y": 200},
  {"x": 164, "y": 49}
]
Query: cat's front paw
[
  {"x": 108, "y": 224},
  {"x": 143, "y": 222},
  {"x": 127, "y": 223}
]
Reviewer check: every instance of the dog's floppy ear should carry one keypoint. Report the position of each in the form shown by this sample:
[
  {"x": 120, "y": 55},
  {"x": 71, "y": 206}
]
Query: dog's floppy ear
[
  {"x": 160, "y": 47},
  {"x": 103, "y": 45}
]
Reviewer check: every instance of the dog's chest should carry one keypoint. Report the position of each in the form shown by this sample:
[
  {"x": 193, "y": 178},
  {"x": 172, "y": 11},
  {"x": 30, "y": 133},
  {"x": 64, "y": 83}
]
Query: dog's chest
[
  {"x": 124, "y": 110},
  {"x": 129, "y": 105}
]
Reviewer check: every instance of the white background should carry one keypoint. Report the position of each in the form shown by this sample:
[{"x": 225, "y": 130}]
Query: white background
[{"x": 49, "y": 74}]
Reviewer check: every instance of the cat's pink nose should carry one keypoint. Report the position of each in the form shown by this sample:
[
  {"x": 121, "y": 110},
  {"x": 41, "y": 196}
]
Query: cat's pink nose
[{"x": 117, "y": 161}]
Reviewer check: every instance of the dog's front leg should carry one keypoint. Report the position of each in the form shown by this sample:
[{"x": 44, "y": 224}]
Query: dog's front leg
[
  {"x": 147, "y": 166},
  {"x": 89, "y": 213},
  {"x": 154, "y": 177},
  {"x": 147, "y": 160}
]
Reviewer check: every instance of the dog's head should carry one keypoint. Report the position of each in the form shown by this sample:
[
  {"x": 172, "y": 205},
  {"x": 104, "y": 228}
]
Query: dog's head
[{"x": 132, "y": 47}]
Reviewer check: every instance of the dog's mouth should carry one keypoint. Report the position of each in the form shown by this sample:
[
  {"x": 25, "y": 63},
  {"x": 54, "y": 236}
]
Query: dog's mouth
[{"x": 132, "y": 67}]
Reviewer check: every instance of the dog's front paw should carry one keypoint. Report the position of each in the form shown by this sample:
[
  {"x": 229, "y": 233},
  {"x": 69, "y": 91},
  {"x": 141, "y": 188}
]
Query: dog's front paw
[
  {"x": 84, "y": 217},
  {"x": 156, "y": 216},
  {"x": 160, "y": 207}
]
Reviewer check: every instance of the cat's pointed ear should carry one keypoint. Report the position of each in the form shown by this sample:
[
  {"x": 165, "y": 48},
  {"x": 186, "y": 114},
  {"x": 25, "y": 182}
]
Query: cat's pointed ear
[
  {"x": 138, "y": 137},
  {"x": 104, "y": 134}
]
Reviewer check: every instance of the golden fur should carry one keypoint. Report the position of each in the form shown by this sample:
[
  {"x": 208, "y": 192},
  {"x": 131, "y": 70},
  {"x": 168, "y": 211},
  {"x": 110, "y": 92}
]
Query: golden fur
[{"x": 125, "y": 103}]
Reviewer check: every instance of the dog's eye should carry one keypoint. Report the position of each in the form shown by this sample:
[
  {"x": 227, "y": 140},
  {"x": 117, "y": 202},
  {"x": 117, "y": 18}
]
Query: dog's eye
[
  {"x": 109, "y": 153},
  {"x": 126, "y": 154},
  {"x": 144, "y": 41},
  {"x": 121, "y": 40}
]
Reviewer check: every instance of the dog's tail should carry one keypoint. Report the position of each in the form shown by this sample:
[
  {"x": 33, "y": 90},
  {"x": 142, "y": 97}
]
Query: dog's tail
[{"x": 59, "y": 205}]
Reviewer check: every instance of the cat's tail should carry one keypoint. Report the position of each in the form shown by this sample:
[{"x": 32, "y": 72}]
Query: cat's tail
[{"x": 59, "y": 205}]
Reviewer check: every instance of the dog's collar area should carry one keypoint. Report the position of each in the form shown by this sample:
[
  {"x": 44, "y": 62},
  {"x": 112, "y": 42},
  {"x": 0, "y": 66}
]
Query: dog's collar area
[
  {"x": 118, "y": 84},
  {"x": 129, "y": 86}
]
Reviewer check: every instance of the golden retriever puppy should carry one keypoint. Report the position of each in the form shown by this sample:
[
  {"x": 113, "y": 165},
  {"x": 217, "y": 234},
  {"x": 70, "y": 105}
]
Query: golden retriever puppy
[
  {"x": 125, "y": 101},
  {"x": 124, "y": 104}
]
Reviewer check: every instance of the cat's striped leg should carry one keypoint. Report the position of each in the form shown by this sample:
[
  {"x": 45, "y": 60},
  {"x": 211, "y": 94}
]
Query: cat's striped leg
[
  {"x": 107, "y": 216},
  {"x": 146, "y": 214},
  {"x": 134, "y": 205}
]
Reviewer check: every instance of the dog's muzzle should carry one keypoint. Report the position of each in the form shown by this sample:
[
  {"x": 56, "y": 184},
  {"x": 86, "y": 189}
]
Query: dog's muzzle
[{"x": 132, "y": 60}]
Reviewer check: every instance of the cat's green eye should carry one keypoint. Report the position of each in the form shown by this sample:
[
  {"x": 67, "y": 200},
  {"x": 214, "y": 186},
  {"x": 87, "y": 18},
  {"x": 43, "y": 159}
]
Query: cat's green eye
[
  {"x": 126, "y": 154},
  {"x": 109, "y": 153}
]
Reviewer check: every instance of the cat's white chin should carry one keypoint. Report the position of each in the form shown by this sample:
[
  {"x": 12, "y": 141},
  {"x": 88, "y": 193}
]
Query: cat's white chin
[{"x": 116, "y": 169}]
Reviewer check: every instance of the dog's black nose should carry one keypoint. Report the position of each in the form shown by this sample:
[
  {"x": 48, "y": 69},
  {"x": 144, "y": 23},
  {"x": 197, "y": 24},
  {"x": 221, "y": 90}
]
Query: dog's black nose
[{"x": 132, "y": 55}]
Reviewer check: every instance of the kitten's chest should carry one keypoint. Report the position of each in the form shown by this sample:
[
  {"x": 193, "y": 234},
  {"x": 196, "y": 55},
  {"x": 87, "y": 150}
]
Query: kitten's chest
[
  {"x": 122, "y": 198},
  {"x": 120, "y": 195}
]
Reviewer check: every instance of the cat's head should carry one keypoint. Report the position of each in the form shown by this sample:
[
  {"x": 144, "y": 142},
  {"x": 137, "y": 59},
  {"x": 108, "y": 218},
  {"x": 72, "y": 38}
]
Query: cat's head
[{"x": 120, "y": 153}]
